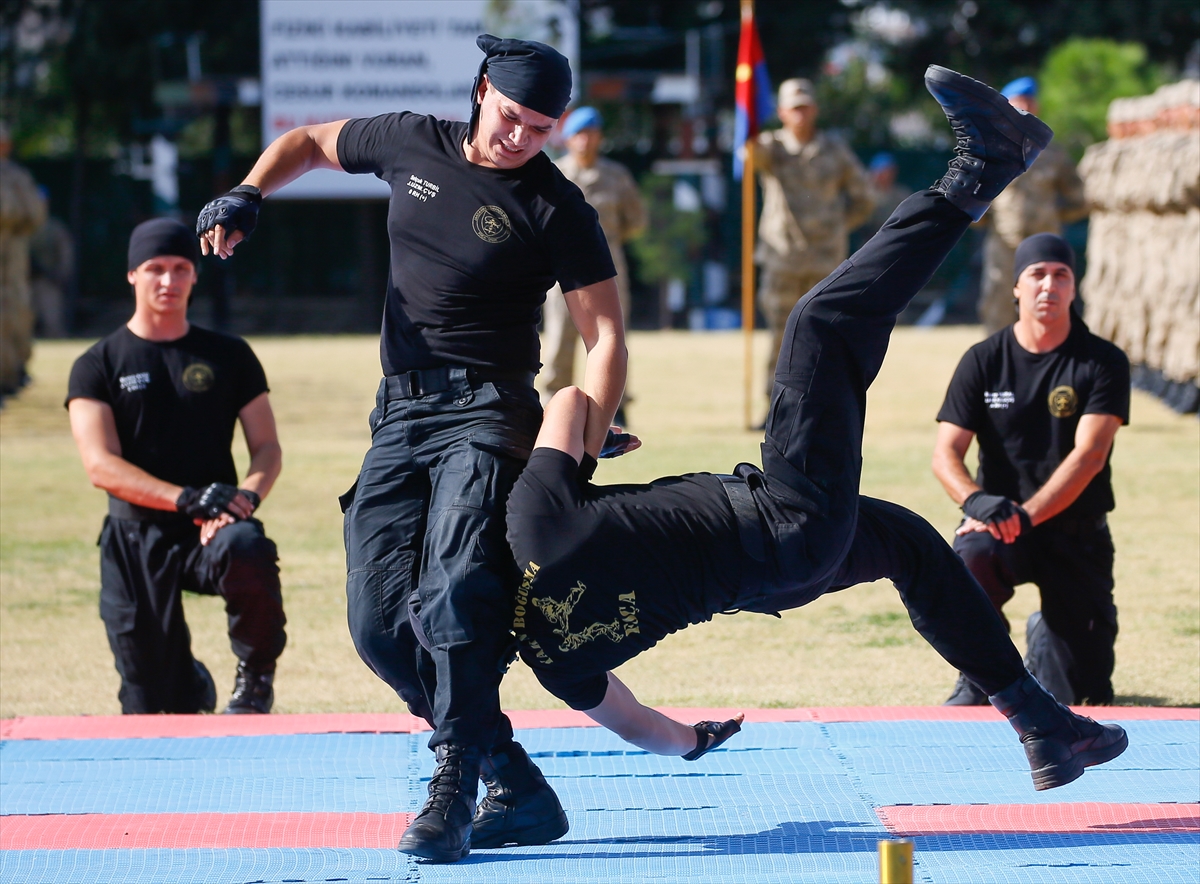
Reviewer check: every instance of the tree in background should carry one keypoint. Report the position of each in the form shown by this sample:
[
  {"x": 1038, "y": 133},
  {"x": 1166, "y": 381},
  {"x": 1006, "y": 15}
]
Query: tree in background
[{"x": 1078, "y": 80}]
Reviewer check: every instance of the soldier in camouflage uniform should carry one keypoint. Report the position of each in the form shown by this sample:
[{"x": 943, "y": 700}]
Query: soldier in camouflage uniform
[
  {"x": 814, "y": 192},
  {"x": 611, "y": 191},
  {"x": 22, "y": 211},
  {"x": 1042, "y": 200}
]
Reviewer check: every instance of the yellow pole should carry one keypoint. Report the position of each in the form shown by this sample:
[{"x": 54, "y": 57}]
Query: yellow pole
[
  {"x": 748, "y": 278},
  {"x": 896, "y": 861}
]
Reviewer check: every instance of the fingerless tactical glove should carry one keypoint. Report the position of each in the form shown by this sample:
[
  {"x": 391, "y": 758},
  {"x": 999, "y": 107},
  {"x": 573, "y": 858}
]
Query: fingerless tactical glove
[
  {"x": 716, "y": 731},
  {"x": 208, "y": 502},
  {"x": 236, "y": 210}
]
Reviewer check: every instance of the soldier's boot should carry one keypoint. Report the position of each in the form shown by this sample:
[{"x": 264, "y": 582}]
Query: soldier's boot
[
  {"x": 1058, "y": 743},
  {"x": 442, "y": 830},
  {"x": 520, "y": 807},
  {"x": 966, "y": 694},
  {"x": 253, "y": 692},
  {"x": 206, "y": 688},
  {"x": 995, "y": 141}
]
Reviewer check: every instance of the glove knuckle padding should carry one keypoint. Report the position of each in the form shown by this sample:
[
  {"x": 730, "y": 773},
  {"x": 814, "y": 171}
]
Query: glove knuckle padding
[
  {"x": 233, "y": 211},
  {"x": 989, "y": 507}
]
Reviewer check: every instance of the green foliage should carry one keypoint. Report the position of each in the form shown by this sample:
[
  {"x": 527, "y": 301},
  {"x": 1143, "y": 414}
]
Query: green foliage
[
  {"x": 858, "y": 107},
  {"x": 667, "y": 249},
  {"x": 1078, "y": 80}
]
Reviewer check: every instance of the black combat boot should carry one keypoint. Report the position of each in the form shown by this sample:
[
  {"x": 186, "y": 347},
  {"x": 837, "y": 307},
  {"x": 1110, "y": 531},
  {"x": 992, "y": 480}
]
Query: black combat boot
[
  {"x": 253, "y": 692},
  {"x": 1058, "y": 743},
  {"x": 966, "y": 694},
  {"x": 520, "y": 807},
  {"x": 206, "y": 688},
  {"x": 442, "y": 830},
  {"x": 996, "y": 142}
]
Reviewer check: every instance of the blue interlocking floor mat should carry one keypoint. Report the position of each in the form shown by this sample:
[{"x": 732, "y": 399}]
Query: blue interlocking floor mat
[{"x": 786, "y": 801}]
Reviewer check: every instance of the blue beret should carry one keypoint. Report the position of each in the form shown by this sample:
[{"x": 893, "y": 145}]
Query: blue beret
[
  {"x": 582, "y": 118},
  {"x": 1026, "y": 86},
  {"x": 882, "y": 160}
]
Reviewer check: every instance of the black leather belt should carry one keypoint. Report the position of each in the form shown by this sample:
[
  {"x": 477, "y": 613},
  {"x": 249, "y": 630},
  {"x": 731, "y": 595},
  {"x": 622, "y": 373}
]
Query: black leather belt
[
  {"x": 425, "y": 381},
  {"x": 123, "y": 509},
  {"x": 749, "y": 524},
  {"x": 1078, "y": 525}
]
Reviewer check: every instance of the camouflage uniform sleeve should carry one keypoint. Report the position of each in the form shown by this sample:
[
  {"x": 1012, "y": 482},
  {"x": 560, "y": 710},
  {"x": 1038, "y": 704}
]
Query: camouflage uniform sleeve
[
  {"x": 632, "y": 207},
  {"x": 1072, "y": 204},
  {"x": 764, "y": 155},
  {"x": 856, "y": 184}
]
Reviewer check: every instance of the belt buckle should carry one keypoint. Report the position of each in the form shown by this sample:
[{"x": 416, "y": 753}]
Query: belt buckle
[{"x": 414, "y": 383}]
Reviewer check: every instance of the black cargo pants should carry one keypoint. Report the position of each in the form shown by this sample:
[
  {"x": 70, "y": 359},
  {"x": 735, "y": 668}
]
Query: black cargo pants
[
  {"x": 144, "y": 564},
  {"x": 1071, "y": 562},
  {"x": 827, "y": 537},
  {"x": 424, "y": 533}
]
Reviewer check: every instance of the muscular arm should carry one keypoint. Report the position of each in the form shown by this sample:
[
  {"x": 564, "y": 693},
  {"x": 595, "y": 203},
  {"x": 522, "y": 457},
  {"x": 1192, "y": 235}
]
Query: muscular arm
[
  {"x": 266, "y": 457},
  {"x": 596, "y": 312},
  {"x": 266, "y": 460},
  {"x": 622, "y": 714},
  {"x": 95, "y": 432},
  {"x": 949, "y": 461},
  {"x": 949, "y": 465},
  {"x": 1093, "y": 441},
  {"x": 289, "y": 156}
]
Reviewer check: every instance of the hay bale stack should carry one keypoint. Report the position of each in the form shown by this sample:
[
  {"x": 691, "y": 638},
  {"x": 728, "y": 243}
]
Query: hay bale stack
[{"x": 1143, "y": 282}]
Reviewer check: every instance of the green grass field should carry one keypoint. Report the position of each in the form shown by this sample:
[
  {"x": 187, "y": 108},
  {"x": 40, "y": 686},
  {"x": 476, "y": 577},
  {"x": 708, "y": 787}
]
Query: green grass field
[{"x": 855, "y": 647}]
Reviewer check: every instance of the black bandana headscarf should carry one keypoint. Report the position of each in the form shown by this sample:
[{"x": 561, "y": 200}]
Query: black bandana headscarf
[
  {"x": 532, "y": 74},
  {"x": 162, "y": 236},
  {"x": 1042, "y": 247}
]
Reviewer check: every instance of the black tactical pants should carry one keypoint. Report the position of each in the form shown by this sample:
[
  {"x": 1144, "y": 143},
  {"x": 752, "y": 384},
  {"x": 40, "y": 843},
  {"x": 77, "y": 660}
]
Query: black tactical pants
[
  {"x": 1072, "y": 566},
  {"x": 834, "y": 345},
  {"x": 143, "y": 567},
  {"x": 424, "y": 532}
]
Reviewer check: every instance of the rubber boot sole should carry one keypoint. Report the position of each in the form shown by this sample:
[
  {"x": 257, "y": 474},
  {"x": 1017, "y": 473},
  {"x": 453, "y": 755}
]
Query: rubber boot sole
[
  {"x": 531, "y": 836},
  {"x": 1054, "y": 775},
  {"x": 432, "y": 853}
]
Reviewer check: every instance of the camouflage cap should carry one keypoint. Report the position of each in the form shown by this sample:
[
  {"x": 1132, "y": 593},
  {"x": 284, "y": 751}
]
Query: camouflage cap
[{"x": 796, "y": 92}]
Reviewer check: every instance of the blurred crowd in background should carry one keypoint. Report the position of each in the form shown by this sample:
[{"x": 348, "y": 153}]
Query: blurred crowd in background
[{"x": 119, "y": 111}]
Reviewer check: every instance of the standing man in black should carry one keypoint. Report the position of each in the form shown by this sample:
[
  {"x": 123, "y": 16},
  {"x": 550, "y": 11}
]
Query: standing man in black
[
  {"x": 481, "y": 224},
  {"x": 610, "y": 570},
  {"x": 1045, "y": 398},
  {"x": 153, "y": 408}
]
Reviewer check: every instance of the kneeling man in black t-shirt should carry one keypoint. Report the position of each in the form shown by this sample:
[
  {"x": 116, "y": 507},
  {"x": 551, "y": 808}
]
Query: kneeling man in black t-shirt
[
  {"x": 153, "y": 408},
  {"x": 1045, "y": 398},
  {"x": 609, "y": 570}
]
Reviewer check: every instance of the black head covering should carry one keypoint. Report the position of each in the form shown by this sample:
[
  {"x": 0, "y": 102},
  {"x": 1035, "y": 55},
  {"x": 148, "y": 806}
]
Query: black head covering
[
  {"x": 162, "y": 236},
  {"x": 532, "y": 74},
  {"x": 1042, "y": 247}
]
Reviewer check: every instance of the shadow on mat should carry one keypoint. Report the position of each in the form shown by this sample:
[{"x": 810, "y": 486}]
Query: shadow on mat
[{"x": 817, "y": 836}]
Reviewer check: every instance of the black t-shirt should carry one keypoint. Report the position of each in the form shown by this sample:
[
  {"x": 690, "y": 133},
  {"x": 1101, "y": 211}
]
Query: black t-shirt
[
  {"x": 1024, "y": 408},
  {"x": 610, "y": 570},
  {"x": 175, "y": 403},
  {"x": 473, "y": 249}
]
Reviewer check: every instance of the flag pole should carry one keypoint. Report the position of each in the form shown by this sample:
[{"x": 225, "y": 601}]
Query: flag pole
[
  {"x": 748, "y": 260},
  {"x": 748, "y": 279}
]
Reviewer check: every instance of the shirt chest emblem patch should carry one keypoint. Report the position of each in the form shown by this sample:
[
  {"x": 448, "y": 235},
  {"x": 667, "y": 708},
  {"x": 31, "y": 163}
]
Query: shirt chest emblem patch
[
  {"x": 198, "y": 377},
  {"x": 1063, "y": 401},
  {"x": 491, "y": 224},
  {"x": 132, "y": 383}
]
